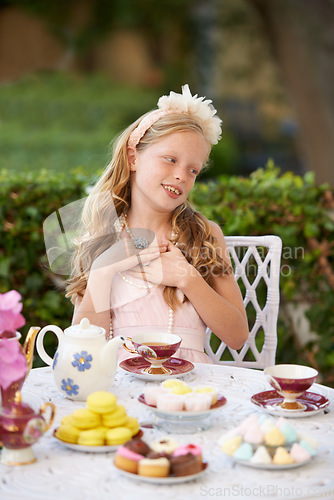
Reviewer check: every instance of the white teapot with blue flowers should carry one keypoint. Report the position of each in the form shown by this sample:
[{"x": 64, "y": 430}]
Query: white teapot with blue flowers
[{"x": 84, "y": 362}]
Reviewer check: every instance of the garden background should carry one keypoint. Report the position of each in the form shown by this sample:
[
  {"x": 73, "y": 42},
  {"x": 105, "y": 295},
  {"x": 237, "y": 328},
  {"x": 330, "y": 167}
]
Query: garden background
[{"x": 73, "y": 75}]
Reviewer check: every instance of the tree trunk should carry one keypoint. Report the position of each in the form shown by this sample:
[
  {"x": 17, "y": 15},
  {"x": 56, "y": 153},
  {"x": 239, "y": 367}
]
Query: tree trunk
[{"x": 302, "y": 38}]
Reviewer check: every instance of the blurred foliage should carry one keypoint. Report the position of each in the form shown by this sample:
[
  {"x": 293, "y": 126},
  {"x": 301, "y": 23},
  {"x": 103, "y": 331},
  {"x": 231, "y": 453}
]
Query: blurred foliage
[
  {"x": 290, "y": 206},
  {"x": 26, "y": 199},
  {"x": 80, "y": 25},
  {"x": 302, "y": 214},
  {"x": 59, "y": 122}
]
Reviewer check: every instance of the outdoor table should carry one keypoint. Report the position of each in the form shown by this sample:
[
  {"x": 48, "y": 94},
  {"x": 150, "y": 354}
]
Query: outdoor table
[{"x": 60, "y": 472}]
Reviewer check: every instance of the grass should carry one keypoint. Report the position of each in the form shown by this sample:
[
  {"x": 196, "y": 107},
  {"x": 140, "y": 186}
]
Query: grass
[{"x": 61, "y": 122}]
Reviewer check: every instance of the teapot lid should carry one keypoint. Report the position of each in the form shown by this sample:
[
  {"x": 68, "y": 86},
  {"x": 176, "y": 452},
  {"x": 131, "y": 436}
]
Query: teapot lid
[{"x": 84, "y": 329}]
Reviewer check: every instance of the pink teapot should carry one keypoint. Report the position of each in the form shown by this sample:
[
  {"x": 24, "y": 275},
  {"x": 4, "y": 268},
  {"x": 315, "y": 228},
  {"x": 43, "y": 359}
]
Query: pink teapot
[
  {"x": 21, "y": 427},
  {"x": 8, "y": 395}
]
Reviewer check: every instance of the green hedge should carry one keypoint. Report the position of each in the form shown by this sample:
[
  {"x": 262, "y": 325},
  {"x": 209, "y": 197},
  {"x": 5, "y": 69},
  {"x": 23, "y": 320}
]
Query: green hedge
[
  {"x": 267, "y": 202},
  {"x": 302, "y": 214}
]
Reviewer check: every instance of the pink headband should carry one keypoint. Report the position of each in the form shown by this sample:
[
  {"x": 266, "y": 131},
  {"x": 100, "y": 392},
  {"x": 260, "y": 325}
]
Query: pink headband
[
  {"x": 194, "y": 106},
  {"x": 145, "y": 124}
]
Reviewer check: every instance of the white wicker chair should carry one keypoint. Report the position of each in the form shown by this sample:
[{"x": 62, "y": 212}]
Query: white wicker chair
[{"x": 259, "y": 258}]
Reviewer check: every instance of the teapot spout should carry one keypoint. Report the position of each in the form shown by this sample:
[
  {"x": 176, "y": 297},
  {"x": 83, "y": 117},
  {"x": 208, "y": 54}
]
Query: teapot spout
[
  {"x": 29, "y": 344},
  {"x": 109, "y": 354}
]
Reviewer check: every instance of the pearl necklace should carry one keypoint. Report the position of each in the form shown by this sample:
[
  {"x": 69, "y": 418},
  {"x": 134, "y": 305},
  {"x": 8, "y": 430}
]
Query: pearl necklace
[
  {"x": 138, "y": 285},
  {"x": 120, "y": 224}
]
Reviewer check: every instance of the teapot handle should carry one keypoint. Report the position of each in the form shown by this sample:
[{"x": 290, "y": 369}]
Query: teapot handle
[
  {"x": 40, "y": 345},
  {"x": 53, "y": 410}
]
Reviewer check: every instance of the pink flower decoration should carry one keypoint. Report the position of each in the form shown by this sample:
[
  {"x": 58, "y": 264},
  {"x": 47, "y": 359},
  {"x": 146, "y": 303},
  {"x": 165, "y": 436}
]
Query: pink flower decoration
[
  {"x": 13, "y": 363},
  {"x": 10, "y": 309}
]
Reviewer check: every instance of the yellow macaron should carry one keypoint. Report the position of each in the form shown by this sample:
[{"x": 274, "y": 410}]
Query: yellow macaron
[
  {"x": 68, "y": 419},
  {"x": 101, "y": 402},
  {"x": 67, "y": 433},
  {"x": 118, "y": 435},
  {"x": 132, "y": 424},
  {"x": 85, "y": 419},
  {"x": 115, "y": 419},
  {"x": 92, "y": 437}
]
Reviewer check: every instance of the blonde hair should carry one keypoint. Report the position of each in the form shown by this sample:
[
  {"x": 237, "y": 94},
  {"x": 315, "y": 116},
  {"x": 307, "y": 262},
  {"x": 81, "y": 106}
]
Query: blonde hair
[{"x": 192, "y": 230}]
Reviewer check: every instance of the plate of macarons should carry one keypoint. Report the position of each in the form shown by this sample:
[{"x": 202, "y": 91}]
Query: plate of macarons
[
  {"x": 263, "y": 443},
  {"x": 176, "y": 398},
  {"x": 101, "y": 426},
  {"x": 162, "y": 462}
]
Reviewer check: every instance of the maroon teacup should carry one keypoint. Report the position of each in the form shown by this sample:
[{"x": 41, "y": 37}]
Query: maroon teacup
[
  {"x": 156, "y": 348},
  {"x": 291, "y": 381}
]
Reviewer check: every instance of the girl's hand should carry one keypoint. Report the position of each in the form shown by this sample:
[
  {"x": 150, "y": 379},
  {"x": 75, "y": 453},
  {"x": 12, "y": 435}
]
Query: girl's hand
[
  {"x": 168, "y": 270},
  {"x": 123, "y": 255}
]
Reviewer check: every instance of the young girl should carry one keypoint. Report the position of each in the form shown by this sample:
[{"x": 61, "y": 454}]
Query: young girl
[{"x": 147, "y": 258}]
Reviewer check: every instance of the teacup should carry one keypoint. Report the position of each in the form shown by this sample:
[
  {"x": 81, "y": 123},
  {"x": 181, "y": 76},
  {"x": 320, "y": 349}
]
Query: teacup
[
  {"x": 156, "y": 348},
  {"x": 291, "y": 381}
]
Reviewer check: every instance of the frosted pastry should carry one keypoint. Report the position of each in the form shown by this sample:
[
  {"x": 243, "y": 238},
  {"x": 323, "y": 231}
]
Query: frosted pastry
[
  {"x": 266, "y": 425},
  {"x": 165, "y": 445},
  {"x": 282, "y": 457},
  {"x": 308, "y": 439},
  {"x": 171, "y": 383},
  {"x": 208, "y": 390},
  {"x": 274, "y": 437},
  {"x": 254, "y": 434},
  {"x": 170, "y": 402},
  {"x": 184, "y": 465},
  {"x": 243, "y": 427},
  {"x": 299, "y": 453},
  {"x": 244, "y": 452},
  {"x": 151, "y": 394},
  {"x": 194, "y": 449},
  {"x": 231, "y": 445},
  {"x": 197, "y": 402},
  {"x": 154, "y": 467},
  {"x": 261, "y": 456},
  {"x": 181, "y": 389},
  {"x": 138, "y": 446},
  {"x": 289, "y": 432},
  {"x": 305, "y": 444},
  {"x": 127, "y": 459},
  {"x": 232, "y": 433}
]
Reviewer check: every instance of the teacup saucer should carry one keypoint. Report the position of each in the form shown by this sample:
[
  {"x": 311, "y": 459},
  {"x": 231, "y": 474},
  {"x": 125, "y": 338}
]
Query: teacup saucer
[
  {"x": 270, "y": 401},
  {"x": 136, "y": 365}
]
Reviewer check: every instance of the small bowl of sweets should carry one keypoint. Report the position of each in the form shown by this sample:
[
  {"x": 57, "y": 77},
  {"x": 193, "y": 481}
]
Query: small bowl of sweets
[
  {"x": 267, "y": 443},
  {"x": 162, "y": 461}
]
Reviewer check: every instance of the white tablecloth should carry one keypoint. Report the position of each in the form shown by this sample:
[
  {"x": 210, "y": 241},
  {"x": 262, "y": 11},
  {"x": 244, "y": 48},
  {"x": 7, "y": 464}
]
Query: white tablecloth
[{"x": 62, "y": 473}]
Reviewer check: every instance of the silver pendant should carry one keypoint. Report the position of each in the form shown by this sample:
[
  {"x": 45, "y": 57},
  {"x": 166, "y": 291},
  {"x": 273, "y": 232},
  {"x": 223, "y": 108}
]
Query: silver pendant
[{"x": 140, "y": 242}]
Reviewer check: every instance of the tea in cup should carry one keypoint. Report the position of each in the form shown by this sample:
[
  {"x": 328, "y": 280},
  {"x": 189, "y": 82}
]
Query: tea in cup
[
  {"x": 291, "y": 381},
  {"x": 156, "y": 348}
]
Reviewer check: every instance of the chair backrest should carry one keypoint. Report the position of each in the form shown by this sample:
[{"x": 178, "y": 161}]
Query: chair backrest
[{"x": 256, "y": 261}]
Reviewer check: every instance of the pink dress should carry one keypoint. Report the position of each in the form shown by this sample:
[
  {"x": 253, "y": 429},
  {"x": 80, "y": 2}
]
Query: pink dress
[{"x": 136, "y": 310}]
